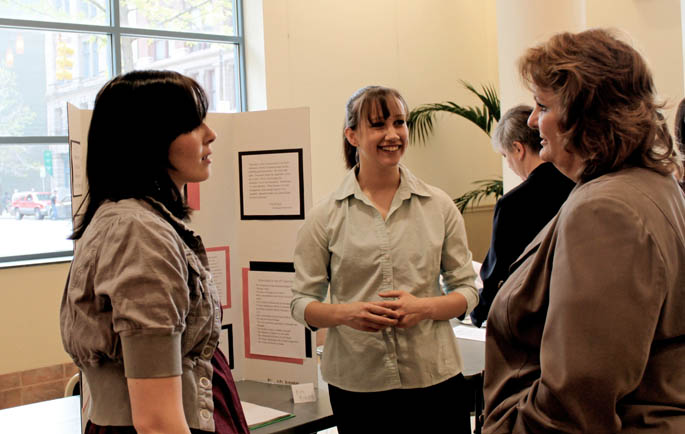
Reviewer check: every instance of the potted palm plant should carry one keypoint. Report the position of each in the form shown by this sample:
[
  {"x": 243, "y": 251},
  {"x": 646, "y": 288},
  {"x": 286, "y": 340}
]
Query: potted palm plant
[{"x": 421, "y": 121}]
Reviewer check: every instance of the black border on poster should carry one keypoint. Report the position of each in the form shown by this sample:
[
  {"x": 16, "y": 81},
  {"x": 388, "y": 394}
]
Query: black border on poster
[
  {"x": 300, "y": 170},
  {"x": 228, "y": 328},
  {"x": 284, "y": 267}
]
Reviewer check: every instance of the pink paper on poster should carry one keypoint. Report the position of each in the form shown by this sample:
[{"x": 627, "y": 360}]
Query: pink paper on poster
[{"x": 193, "y": 195}]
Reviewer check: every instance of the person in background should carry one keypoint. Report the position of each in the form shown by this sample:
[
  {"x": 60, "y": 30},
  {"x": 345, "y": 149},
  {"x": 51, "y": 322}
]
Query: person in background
[
  {"x": 53, "y": 205},
  {"x": 140, "y": 314},
  {"x": 680, "y": 131},
  {"x": 381, "y": 241},
  {"x": 587, "y": 335},
  {"x": 525, "y": 210}
]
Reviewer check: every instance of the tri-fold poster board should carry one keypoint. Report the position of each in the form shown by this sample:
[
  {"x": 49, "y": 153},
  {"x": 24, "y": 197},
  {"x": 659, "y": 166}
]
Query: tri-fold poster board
[{"x": 247, "y": 214}]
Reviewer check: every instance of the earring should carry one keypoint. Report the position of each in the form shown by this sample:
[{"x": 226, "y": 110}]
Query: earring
[{"x": 356, "y": 155}]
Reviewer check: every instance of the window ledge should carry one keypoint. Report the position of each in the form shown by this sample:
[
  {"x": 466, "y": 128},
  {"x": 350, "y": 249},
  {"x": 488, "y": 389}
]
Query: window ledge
[{"x": 32, "y": 262}]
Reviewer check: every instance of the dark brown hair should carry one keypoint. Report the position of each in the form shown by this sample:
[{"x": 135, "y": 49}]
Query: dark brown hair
[
  {"x": 513, "y": 127},
  {"x": 610, "y": 116},
  {"x": 363, "y": 104},
  {"x": 680, "y": 132},
  {"x": 680, "y": 125},
  {"x": 135, "y": 118}
]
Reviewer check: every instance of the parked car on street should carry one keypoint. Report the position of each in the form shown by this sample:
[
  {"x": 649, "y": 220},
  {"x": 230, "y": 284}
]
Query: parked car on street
[{"x": 33, "y": 203}]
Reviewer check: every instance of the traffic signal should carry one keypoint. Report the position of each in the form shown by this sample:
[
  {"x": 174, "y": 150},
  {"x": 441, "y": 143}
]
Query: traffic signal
[{"x": 63, "y": 61}]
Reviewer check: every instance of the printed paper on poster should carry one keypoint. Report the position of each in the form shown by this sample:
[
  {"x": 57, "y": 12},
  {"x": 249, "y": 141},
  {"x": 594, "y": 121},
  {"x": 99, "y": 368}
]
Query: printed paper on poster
[
  {"x": 271, "y": 184},
  {"x": 273, "y": 332},
  {"x": 219, "y": 265}
]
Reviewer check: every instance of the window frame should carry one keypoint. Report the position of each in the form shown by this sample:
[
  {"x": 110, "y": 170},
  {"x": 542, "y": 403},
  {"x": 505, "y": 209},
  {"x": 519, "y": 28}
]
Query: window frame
[{"x": 114, "y": 32}]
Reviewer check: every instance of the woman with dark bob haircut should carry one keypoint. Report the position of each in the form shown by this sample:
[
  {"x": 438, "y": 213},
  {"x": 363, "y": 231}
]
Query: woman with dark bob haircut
[
  {"x": 140, "y": 314},
  {"x": 587, "y": 334}
]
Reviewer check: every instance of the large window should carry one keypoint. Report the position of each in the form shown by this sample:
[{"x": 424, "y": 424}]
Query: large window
[{"x": 54, "y": 52}]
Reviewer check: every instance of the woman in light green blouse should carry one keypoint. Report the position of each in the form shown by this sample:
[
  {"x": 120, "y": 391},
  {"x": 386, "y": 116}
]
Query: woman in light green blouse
[{"x": 381, "y": 241}]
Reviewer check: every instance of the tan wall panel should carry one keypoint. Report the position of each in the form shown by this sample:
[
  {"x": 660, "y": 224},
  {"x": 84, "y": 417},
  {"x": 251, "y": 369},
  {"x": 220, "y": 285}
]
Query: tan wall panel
[
  {"x": 478, "y": 223},
  {"x": 29, "y": 307}
]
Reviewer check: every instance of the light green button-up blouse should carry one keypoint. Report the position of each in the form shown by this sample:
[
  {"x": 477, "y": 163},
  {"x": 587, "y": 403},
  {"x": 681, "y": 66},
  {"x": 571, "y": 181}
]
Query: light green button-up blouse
[{"x": 346, "y": 244}]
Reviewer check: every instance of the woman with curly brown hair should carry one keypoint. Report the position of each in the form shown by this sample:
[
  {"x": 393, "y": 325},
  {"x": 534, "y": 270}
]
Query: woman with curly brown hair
[{"x": 588, "y": 332}]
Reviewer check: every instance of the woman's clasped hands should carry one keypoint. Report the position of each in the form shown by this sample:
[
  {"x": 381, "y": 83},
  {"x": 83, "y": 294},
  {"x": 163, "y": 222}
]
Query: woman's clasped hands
[
  {"x": 368, "y": 316},
  {"x": 404, "y": 311},
  {"x": 409, "y": 308}
]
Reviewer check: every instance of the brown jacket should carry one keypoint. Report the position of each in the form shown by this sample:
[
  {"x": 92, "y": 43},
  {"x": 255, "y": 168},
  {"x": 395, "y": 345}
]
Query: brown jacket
[{"x": 588, "y": 333}]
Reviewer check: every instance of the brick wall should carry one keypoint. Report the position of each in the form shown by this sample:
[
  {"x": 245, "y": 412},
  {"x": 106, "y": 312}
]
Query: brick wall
[{"x": 34, "y": 385}]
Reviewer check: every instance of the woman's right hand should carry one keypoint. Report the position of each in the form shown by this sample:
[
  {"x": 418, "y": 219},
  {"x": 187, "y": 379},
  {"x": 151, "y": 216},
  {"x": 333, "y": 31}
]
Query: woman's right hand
[{"x": 367, "y": 316}]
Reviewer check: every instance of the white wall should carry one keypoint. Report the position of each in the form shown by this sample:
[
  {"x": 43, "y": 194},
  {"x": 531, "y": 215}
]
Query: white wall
[
  {"x": 656, "y": 31},
  {"x": 319, "y": 52},
  {"x": 520, "y": 25}
]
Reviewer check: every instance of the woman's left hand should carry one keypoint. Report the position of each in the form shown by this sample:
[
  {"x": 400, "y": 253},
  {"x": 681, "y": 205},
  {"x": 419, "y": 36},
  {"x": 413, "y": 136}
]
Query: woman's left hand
[{"x": 412, "y": 309}]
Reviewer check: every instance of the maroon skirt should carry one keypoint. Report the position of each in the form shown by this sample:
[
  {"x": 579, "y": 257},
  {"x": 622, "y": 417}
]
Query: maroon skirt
[{"x": 228, "y": 413}]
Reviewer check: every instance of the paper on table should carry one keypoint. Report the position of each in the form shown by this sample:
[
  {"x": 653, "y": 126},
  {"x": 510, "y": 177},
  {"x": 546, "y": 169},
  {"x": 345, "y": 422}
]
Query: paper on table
[
  {"x": 476, "y": 268},
  {"x": 470, "y": 333},
  {"x": 303, "y": 392},
  {"x": 258, "y": 416}
]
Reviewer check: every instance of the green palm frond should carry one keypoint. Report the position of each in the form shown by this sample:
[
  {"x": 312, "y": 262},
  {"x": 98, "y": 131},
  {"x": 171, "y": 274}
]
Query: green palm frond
[
  {"x": 490, "y": 100},
  {"x": 487, "y": 187},
  {"x": 420, "y": 121}
]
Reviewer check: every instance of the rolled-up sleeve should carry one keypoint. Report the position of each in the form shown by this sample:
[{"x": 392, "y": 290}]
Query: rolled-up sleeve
[
  {"x": 142, "y": 272},
  {"x": 312, "y": 262},
  {"x": 456, "y": 262}
]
